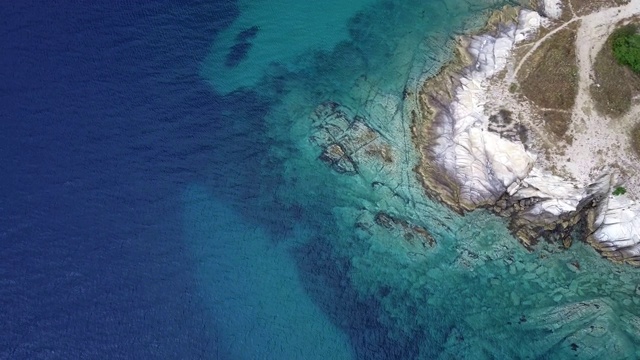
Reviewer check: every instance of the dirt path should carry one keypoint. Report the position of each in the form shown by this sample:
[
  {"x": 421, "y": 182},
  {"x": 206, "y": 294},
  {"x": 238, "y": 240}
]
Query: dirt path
[
  {"x": 536, "y": 44},
  {"x": 599, "y": 142},
  {"x": 592, "y": 34}
]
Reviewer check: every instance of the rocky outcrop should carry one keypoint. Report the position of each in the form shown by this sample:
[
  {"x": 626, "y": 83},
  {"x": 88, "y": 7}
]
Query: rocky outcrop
[
  {"x": 551, "y": 8},
  {"x": 405, "y": 236},
  {"x": 615, "y": 227},
  {"x": 471, "y": 159},
  {"x": 546, "y": 206},
  {"x": 476, "y": 164}
]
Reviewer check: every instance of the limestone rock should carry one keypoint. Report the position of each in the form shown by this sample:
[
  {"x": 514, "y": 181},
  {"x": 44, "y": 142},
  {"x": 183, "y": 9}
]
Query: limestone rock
[
  {"x": 473, "y": 160},
  {"x": 551, "y": 8},
  {"x": 617, "y": 225}
]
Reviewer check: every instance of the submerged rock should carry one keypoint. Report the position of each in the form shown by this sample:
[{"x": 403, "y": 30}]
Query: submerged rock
[
  {"x": 346, "y": 140},
  {"x": 335, "y": 156},
  {"x": 592, "y": 329},
  {"x": 411, "y": 233}
]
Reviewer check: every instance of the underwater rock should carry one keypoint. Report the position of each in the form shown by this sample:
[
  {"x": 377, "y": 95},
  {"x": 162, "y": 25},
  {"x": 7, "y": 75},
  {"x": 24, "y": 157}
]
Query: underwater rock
[
  {"x": 411, "y": 233},
  {"x": 334, "y": 156},
  {"x": 238, "y": 52},
  {"x": 346, "y": 141},
  {"x": 591, "y": 329},
  {"x": 567, "y": 326}
]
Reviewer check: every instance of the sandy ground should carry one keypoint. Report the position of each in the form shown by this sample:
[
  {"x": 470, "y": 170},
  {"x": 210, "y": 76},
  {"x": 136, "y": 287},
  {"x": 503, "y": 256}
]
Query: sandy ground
[{"x": 600, "y": 144}]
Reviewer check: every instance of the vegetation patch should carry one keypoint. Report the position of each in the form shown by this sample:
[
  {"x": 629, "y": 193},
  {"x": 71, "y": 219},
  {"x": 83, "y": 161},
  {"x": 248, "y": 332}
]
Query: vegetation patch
[
  {"x": 625, "y": 44},
  {"x": 616, "y": 84},
  {"x": 507, "y": 15},
  {"x": 619, "y": 190},
  {"x": 549, "y": 77}
]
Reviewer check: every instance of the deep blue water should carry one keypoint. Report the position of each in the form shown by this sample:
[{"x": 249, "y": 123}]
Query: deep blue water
[
  {"x": 104, "y": 120},
  {"x": 160, "y": 197}
]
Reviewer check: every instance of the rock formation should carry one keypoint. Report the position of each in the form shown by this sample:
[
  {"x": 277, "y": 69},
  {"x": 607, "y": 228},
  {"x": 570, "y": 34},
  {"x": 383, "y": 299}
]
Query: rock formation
[
  {"x": 472, "y": 159},
  {"x": 345, "y": 139}
]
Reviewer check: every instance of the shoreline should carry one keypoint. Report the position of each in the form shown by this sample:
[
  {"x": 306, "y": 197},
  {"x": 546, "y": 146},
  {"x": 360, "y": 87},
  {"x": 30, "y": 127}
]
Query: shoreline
[{"x": 480, "y": 145}]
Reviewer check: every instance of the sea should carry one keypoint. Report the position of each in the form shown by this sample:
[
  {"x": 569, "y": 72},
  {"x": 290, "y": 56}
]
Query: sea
[{"x": 161, "y": 198}]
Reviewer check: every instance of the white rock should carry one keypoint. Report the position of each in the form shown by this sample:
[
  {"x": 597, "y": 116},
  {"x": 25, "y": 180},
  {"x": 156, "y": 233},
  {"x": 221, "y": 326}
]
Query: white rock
[
  {"x": 619, "y": 226},
  {"x": 551, "y": 8},
  {"x": 559, "y": 196},
  {"x": 486, "y": 165},
  {"x": 528, "y": 24}
]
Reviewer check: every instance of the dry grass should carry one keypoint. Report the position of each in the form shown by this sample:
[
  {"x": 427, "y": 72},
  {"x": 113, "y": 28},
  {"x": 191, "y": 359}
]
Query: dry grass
[
  {"x": 507, "y": 15},
  {"x": 584, "y": 7},
  {"x": 614, "y": 85},
  {"x": 557, "y": 123},
  {"x": 550, "y": 76}
]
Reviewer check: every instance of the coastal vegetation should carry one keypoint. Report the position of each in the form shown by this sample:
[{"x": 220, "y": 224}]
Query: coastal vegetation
[
  {"x": 612, "y": 96},
  {"x": 625, "y": 44},
  {"x": 584, "y": 7},
  {"x": 619, "y": 190}
]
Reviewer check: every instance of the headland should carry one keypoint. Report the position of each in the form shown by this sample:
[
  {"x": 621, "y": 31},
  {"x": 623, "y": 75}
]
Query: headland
[{"x": 536, "y": 121}]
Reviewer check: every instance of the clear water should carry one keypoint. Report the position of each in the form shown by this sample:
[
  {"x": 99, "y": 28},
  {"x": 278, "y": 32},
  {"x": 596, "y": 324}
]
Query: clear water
[
  {"x": 161, "y": 198},
  {"x": 478, "y": 294}
]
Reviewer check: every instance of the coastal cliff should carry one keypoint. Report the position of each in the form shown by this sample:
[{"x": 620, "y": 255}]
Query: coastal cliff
[{"x": 483, "y": 144}]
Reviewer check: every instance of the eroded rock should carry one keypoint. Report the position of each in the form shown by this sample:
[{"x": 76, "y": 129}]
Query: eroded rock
[{"x": 472, "y": 158}]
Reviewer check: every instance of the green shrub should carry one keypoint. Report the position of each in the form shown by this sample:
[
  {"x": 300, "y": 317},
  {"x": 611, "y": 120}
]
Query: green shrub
[
  {"x": 619, "y": 191},
  {"x": 626, "y": 47}
]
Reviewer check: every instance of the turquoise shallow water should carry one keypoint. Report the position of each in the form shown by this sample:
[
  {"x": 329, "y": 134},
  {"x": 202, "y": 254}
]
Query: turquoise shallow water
[
  {"x": 307, "y": 273},
  {"x": 288, "y": 29}
]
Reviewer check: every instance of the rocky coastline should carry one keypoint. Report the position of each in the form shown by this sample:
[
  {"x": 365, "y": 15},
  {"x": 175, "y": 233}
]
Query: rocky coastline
[{"x": 476, "y": 154}]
